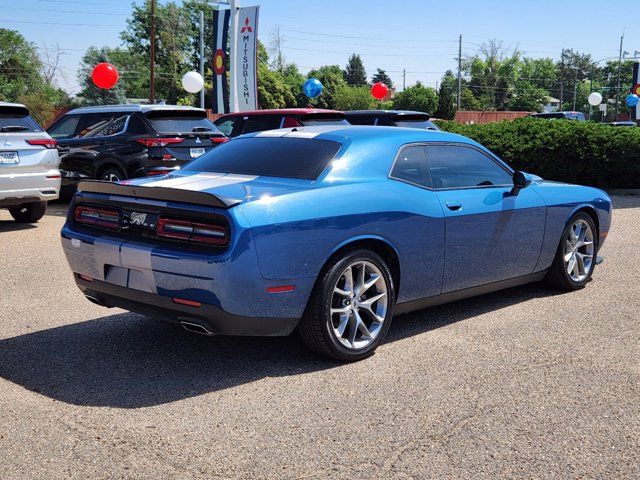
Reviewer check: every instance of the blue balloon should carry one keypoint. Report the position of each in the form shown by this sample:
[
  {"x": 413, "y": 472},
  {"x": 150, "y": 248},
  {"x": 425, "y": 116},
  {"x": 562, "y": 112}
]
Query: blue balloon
[
  {"x": 312, "y": 88},
  {"x": 632, "y": 100}
]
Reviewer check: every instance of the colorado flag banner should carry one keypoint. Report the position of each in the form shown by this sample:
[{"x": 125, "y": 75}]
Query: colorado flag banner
[
  {"x": 220, "y": 94},
  {"x": 244, "y": 48},
  {"x": 636, "y": 89}
]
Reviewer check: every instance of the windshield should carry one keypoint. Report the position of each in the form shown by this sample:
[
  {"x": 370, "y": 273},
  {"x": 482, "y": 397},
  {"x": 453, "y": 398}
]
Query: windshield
[
  {"x": 272, "y": 157},
  {"x": 18, "y": 123}
]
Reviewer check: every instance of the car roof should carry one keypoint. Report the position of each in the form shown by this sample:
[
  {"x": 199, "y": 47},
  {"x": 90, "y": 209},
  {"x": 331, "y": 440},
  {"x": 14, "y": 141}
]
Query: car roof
[
  {"x": 282, "y": 111},
  {"x": 382, "y": 113},
  {"x": 13, "y": 105},
  {"x": 346, "y": 133},
  {"x": 130, "y": 108}
]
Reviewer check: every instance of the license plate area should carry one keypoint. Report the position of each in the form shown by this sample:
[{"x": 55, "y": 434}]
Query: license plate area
[
  {"x": 9, "y": 158},
  {"x": 196, "y": 152}
]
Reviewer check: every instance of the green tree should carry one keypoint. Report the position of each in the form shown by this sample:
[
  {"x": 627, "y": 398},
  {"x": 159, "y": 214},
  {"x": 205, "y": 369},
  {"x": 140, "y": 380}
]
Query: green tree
[
  {"x": 173, "y": 46},
  {"x": 355, "y": 74},
  {"x": 446, "y": 97},
  {"x": 381, "y": 76},
  {"x": 91, "y": 94},
  {"x": 332, "y": 78},
  {"x": 353, "y": 98},
  {"x": 417, "y": 97}
]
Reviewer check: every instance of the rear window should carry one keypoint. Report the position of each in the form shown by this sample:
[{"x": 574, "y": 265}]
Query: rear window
[
  {"x": 260, "y": 123},
  {"x": 17, "y": 123},
  {"x": 312, "y": 121},
  {"x": 423, "y": 124},
  {"x": 271, "y": 157},
  {"x": 182, "y": 125},
  {"x": 361, "y": 119}
]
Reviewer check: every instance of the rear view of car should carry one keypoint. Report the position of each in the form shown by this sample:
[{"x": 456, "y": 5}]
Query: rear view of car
[
  {"x": 118, "y": 142},
  {"x": 234, "y": 124},
  {"x": 29, "y": 175}
]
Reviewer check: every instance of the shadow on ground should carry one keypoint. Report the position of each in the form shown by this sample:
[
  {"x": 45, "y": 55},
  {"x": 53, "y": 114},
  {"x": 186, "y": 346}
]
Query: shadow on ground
[{"x": 129, "y": 361}]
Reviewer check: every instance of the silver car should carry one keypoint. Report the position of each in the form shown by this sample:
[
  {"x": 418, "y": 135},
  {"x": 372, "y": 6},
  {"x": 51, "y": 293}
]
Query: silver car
[{"x": 29, "y": 175}]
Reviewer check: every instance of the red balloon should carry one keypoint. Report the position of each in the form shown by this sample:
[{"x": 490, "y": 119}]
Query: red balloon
[
  {"x": 104, "y": 75},
  {"x": 379, "y": 90}
]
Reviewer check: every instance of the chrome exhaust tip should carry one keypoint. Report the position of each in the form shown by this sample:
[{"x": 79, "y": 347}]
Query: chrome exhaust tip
[{"x": 196, "y": 328}]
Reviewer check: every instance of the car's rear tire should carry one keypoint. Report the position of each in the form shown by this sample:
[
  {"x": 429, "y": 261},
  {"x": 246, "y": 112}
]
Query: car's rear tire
[
  {"x": 349, "y": 314},
  {"x": 575, "y": 258},
  {"x": 112, "y": 174},
  {"x": 29, "y": 212}
]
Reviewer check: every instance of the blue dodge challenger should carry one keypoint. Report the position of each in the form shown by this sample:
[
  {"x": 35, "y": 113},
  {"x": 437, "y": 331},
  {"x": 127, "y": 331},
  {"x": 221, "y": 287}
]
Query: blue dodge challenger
[{"x": 331, "y": 230}]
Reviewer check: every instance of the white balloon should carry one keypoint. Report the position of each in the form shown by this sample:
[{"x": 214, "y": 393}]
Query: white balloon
[
  {"x": 192, "y": 82},
  {"x": 595, "y": 99}
]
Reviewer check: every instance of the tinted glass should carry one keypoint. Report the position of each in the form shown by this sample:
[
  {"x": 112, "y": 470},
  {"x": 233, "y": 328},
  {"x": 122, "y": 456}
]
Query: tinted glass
[
  {"x": 411, "y": 166},
  {"x": 456, "y": 166},
  {"x": 271, "y": 157},
  {"x": 102, "y": 125},
  {"x": 136, "y": 126},
  {"x": 259, "y": 123},
  {"x": 226, "y": 127},
  {"x": 318, "y": 121},
  {"x": 182, "y": 125},
  {"x": 361, "y": 119},
  {"x": 65, "y": 127},
  {"x": 18, "y": 123},
  {"x": 423, "y": 124}
]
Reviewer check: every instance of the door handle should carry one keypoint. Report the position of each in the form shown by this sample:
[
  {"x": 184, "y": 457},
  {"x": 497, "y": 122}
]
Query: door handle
[{"x": 453, "y": 205}]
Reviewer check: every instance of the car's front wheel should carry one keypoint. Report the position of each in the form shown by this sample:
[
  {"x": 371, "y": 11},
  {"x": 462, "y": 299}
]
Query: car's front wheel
[
  {"x": 29, "y": 212},
  {"x": 576, "y": 256},
  {"x": 351, "y": 307},
  {"x": 113, "y": 175}
]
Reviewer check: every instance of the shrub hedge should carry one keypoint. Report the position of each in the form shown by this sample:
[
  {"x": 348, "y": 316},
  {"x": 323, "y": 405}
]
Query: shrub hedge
[{"x": 585, "y": 153}]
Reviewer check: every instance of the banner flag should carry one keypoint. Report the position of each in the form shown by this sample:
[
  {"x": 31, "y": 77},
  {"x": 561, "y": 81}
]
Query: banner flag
[
  {"x": 636, "y": 89},
  {"x": 220, "y": 94},
  {"x": 244, "y": 47}
]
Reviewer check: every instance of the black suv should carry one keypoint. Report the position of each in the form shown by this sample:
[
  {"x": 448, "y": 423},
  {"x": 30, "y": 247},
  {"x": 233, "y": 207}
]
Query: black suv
[
  {"x": 116, "y": 142},
  {"x": 391, "y": 118}
]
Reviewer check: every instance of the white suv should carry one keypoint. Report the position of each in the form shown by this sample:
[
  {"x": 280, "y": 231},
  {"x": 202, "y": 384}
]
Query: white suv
[{"x": 29, "y": 175}]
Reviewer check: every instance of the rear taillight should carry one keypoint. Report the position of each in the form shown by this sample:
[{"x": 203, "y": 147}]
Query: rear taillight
[
  {"x": 159, "y": 142},
  {"x": 192, "y": 231},
  {"x": 97, "y": 217},
  {"x": 48, "y": 143},
  {"x": 219, "y": 139}
]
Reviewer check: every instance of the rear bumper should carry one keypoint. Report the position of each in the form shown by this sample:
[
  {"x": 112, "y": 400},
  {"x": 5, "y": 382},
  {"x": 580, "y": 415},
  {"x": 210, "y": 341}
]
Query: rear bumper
[
  {"x": 213, "y": 318},
  {"x": 19, "y": 188}
]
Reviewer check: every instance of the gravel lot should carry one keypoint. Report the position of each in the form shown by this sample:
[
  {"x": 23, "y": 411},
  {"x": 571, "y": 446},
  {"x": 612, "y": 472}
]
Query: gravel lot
[{"x": 524, "y": 383}]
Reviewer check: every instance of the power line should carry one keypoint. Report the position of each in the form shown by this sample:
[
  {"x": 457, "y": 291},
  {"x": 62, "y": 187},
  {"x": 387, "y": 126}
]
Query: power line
[
  {"x": 40, "y": 10},
  {"x": 64, "y": 24}
]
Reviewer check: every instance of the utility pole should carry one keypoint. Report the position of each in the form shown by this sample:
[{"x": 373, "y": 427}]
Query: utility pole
[
  {"x": 618, "y": 86},
  {"x": 575, "y": 90},
  {"x": 561, "y": 83},
  {"x": 152, "y": 55},
  {"x": 202, "y": 56},
  {"x": 404, "y": 79},
  {"x": 459, "y": 71}
]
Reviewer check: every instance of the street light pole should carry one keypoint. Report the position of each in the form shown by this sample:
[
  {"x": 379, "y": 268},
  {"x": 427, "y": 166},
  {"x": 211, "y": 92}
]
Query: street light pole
[
  {"x": 459, "y": 72},
  {"x": 152, "y": 55},
  {"x": 619, "y": 69}
]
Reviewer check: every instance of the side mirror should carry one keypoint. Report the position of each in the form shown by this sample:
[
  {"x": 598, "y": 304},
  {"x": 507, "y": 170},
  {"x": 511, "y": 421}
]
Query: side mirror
[{"x": 520, "y": 181}]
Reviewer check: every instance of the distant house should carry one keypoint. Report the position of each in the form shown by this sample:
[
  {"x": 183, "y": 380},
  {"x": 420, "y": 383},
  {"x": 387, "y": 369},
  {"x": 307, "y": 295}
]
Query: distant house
[{"x": 552, "y": 105}]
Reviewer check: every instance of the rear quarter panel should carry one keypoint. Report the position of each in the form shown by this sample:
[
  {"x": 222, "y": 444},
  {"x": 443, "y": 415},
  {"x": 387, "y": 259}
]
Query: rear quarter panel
[{"x": 296, "y": 234}]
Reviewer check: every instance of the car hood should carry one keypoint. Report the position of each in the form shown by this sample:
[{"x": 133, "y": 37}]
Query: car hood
[{"x": 231, "y": 189}]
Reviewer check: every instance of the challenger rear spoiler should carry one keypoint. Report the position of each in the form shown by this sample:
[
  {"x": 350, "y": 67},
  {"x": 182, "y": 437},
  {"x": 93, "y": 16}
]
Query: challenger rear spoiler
[{"x": 163, "y": 194}]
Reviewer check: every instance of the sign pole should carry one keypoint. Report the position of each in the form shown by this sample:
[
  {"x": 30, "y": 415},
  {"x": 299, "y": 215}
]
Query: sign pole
[{"x": 233, "y": 64}]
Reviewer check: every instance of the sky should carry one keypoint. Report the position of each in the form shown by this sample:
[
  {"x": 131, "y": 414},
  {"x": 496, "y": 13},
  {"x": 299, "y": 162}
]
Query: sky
[{"x": 419, "y": 36}]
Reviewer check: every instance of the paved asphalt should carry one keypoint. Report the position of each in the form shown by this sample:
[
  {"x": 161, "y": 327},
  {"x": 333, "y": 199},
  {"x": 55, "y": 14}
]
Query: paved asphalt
[{"x": 525, "y": 383}]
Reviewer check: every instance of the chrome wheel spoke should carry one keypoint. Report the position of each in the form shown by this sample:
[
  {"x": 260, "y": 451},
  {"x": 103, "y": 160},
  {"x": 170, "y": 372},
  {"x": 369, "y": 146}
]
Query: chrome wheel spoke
[
  {"x": 342, "y": 326},
  {"x": 571, "y": 264},
  {"x": 361, "y": 326},
  {"x": 341, "y": 310},
  {"x": 370, "y": 301}
]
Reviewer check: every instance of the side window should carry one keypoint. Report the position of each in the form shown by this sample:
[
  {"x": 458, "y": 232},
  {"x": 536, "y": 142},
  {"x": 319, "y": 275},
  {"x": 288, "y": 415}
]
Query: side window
[
  {"x": 65, "y": 127},
  {"x": 453, "y": 166},
  {"x": 411, "y": 166},
  {"x": 260, "y": 123},
  {"x": 101, "y": 125},
  {"x": 227, "y": 126},
  {"x": 290, "y": 122}
]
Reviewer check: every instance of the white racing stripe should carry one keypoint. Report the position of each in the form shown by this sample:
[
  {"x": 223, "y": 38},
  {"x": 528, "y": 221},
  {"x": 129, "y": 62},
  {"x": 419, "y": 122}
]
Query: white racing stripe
[{"x": 179, "y": 181}]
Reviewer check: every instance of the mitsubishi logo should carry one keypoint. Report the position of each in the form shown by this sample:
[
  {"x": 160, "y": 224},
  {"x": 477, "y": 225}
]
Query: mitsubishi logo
[
  {"x": 246, "y": 27},
  {"x": 198, "y": 140},
  {"x": 7, "y": 143}
]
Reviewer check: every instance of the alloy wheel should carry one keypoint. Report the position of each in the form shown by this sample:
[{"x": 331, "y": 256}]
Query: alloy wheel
[
  {"x": 111, "y": 177},
  {"x": 359, "y": 305},
  {"x": 579, "y": 250}
]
